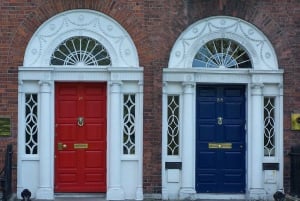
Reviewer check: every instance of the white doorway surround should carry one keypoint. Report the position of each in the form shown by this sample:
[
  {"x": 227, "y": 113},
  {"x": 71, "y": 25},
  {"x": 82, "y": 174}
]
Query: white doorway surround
[
  {"x": 37, "y": 78},
  {"x": 263, "y": 81}
]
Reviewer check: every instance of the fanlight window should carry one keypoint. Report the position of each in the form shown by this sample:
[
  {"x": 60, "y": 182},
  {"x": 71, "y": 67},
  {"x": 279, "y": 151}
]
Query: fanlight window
[
  {"x": 80, "y": 51},
  {"x": 222, "y": 53}
]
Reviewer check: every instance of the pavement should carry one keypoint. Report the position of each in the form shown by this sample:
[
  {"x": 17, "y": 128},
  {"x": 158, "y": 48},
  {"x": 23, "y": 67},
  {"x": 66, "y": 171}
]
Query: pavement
[{"x": 71, "y": 197}]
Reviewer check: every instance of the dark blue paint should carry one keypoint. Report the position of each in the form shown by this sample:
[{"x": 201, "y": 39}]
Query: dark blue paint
[{"x": 220, "y": 170}]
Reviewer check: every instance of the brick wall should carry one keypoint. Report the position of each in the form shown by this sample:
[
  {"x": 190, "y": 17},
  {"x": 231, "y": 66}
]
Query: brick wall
[{"x": 154, "y": 25}]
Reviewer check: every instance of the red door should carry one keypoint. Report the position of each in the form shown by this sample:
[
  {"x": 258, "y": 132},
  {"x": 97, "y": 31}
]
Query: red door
[{"x": 80, "y": 137}]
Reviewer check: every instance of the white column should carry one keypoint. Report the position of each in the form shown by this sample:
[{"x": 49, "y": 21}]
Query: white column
[
  {"x": 139, "y": 135},
  {"x": 257, "y": 143},
  {"x": 115, "y": 191},
  {"x": 21, "y": 138},
  {"x": 164, "y": 190},
  {"x": 45, "y": 190},
  {"x": 280, "y": 145},
  {"x": 187, "y": 186}
]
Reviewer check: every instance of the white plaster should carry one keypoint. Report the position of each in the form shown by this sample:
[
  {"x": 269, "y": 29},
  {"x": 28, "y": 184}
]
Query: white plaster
[
  {"x": 94, "y": 24},
  {"x": 259, "y": 48}
]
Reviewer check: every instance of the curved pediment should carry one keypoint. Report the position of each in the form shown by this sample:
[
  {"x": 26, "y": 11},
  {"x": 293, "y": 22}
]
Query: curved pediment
[
  {"x": 81, "y": 23},
  {"x": 197, "y": 35}
]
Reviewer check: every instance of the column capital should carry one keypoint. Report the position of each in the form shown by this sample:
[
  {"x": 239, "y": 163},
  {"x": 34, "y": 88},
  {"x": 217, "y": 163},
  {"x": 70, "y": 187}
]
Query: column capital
[
  {"x": 20, "y": 86},
  {"x": 188, "y": 87},
  {"x": 45, "y": 86},
  {"x": 115, "y": 82},
  {"x": 164, "y": 87},
  {"x": 280, "y": 88},
  {"x": 115, "y": 86},
  {"x": 257, "y": 89}
]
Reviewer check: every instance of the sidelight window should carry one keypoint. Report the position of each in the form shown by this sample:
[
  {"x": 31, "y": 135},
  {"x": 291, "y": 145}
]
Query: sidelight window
[
  {"x": 269, "y": 126},
  {"x": 31, "y": 127},
  {"x": 173, "y": 125},
  {"x": 129, "y": 129}
]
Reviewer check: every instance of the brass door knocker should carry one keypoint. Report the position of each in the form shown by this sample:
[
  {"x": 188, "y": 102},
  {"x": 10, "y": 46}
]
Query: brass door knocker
[{"x": 80, "y": 121}]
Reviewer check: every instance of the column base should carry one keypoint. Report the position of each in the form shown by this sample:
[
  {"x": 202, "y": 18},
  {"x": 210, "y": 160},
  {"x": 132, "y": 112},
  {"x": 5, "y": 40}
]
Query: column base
[
  {"x": 139, "y": 194},
  {"x": 257, "y": 194},
  {"x": 187, "y": 193},
  {"x": 164, "y": 194},
  {"x": 45, "y": 193},
  {"x": 115, "y": 193}
]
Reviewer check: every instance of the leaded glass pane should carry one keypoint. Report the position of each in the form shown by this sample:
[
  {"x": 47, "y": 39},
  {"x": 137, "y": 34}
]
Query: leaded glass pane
[
  {"x": 80, "y": 51},
  {"x": 269, "y": 123},
  {"x": 129, "y": 124},
  {"x": 222, "y": 53},
  {"x": 173, "y": 125},
  {"x": 31, "y": 122}
]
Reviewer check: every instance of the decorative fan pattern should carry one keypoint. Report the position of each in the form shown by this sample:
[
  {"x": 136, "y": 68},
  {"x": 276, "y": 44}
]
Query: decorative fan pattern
[
  {"x": 80, "y": 51},
  {"x": 222, "y": 53}
]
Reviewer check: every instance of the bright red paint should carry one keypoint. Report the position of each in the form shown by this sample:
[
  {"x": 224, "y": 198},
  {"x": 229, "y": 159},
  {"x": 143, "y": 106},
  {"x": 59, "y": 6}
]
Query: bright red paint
[{"x": 80, "y": 170}]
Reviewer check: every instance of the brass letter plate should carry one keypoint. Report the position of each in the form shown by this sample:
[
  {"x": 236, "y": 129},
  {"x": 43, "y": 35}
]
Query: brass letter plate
[
  {"x": 216, "y": 145},
  {"x": 81, "y": 146}
]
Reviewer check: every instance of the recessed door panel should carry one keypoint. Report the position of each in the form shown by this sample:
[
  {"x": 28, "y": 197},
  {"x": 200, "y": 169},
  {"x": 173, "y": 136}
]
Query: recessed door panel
[
  {"x": 80, "y": 137},
  {"x": 220, "y": 139}
]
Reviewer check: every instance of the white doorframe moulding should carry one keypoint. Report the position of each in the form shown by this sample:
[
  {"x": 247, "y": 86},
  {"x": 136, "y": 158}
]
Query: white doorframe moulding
[
  {"x": 37, "y": 76},
  {"x": 264, "y": 79}
]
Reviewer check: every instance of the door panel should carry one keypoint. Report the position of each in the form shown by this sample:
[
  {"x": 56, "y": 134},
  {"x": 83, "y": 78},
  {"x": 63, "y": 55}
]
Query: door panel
[
  {"x": 220, "y": 139},
  {"x": 80, "y": 137}
]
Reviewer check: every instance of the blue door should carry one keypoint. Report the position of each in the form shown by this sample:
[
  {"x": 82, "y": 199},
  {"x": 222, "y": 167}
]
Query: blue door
[{"x": 220, "y": 139}]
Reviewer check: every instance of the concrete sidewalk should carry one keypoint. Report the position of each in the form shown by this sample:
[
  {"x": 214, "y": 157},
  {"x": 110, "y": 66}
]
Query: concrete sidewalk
[{"x": 72, "y": 197}]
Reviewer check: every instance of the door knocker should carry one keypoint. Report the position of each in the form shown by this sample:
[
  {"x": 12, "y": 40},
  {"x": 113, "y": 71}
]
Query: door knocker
[
  {"x": 80, "y": 121},
  {"x": 220, "y": 120}
]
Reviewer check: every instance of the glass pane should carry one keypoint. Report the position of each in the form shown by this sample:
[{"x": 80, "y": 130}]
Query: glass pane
[
  {"x": 222, "y": 53},
  {"x": 31, "y": 128},
  {"x": 80, "y": 51},
  {"x": 173, "y": 125},
  {"x": 269, "y": 123},
  {"x": 129, "y": 124}
]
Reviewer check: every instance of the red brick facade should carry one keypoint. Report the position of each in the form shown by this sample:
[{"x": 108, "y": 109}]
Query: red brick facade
[{"x": 154, "y": 26}]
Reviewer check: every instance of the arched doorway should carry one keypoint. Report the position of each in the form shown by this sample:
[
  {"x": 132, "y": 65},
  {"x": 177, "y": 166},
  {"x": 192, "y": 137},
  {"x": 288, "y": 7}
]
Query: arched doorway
[
  {"x": 80, "y": 116},
  {"x": 222, "y": 113}
]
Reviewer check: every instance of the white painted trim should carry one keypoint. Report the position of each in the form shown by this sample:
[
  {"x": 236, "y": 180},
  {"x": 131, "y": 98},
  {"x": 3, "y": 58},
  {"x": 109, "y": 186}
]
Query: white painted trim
[
  {"x": 125, "y": 70},
  {"x": 264, "y": 73},
  {"x": 257, "y": 45},
  {"x": 81, "y": 22}
]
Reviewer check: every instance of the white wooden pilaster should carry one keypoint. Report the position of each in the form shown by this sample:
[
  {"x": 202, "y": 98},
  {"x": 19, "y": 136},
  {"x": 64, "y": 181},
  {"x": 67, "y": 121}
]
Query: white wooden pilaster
[
  {"x": 257, "y": 143},
  {"x": 45, "y": 190},
  {"x": 187, "y": 187},
  {"x": 115, "y": 191}
]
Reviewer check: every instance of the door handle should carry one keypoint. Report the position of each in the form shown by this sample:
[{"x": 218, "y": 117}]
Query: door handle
[{"x": 61, "y": 146}]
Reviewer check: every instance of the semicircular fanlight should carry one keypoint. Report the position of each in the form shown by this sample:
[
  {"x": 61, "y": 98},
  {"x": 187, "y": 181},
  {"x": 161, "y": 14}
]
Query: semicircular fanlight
[
  {"x": 80, "y": 51},
  {"x": 222, "y": 53}
]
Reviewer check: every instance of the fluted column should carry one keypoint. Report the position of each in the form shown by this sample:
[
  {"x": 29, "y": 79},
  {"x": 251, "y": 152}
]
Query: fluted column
[
  {"x": 45, "y": 190},
  {"x": 257, "y": 142},
  {"x": 187, "y": 185},
  {"x": 115, "y": 191}
]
